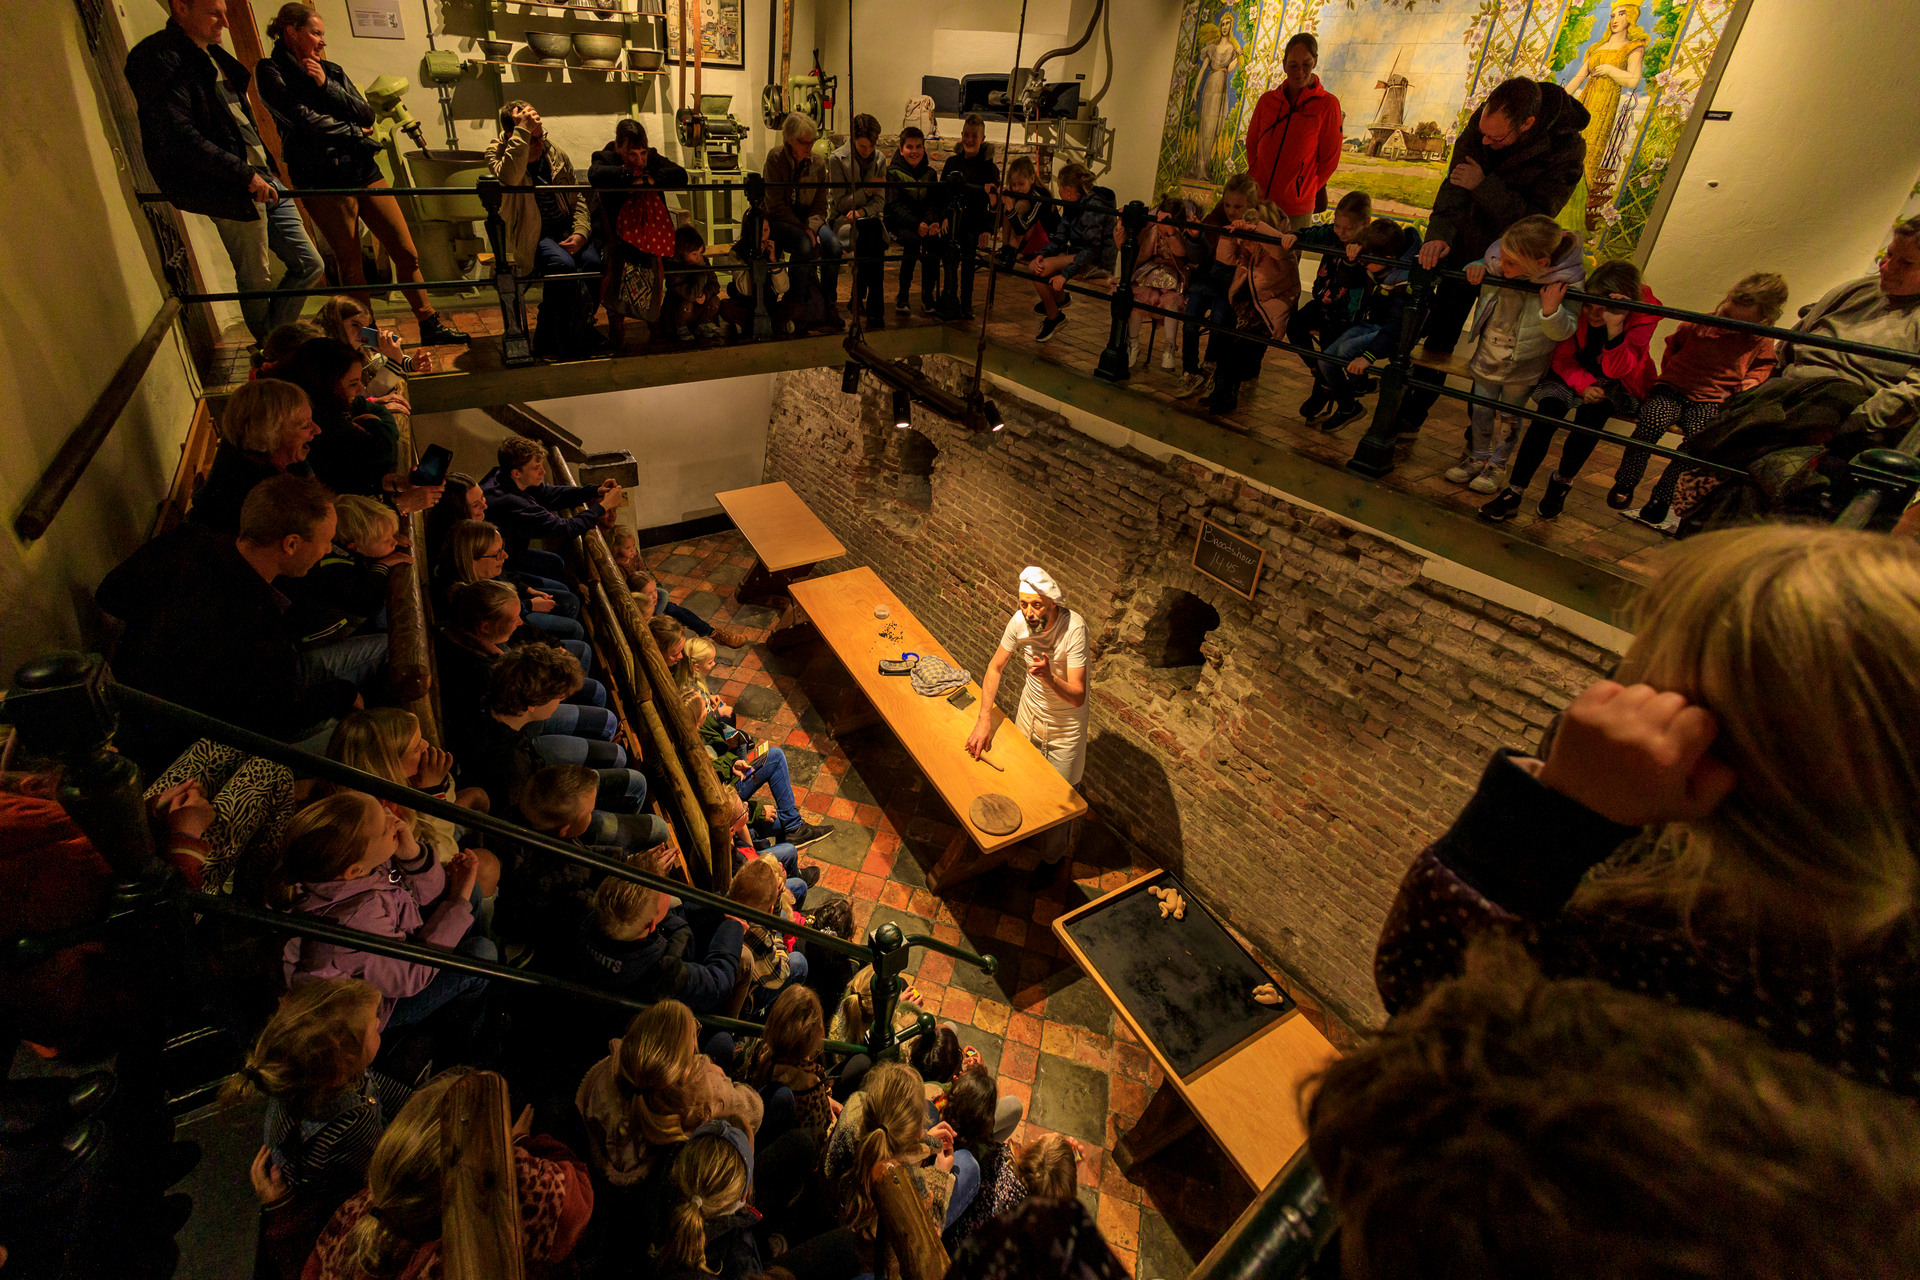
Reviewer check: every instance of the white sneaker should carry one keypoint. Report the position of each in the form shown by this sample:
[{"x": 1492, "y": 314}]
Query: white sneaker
[
  {"x": 1166, "y": 357},
  {"x": 1464, "y": 470},
  {"x": 1492, "y": 478},
  {"x": 1133, "y": 352}
]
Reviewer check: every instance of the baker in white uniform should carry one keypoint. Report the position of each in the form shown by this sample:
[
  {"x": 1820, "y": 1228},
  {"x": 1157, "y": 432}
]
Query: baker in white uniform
[{"x": 1051, "y": 640}]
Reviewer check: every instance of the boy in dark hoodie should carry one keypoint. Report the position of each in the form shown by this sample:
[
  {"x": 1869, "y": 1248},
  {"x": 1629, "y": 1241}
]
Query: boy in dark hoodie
[
  {"x": 1081, "y": 240},
  {"x": 1377, "y": 303},
  {"x": 971, "y": 168},
  {"x": 635, "y": 942},
  {"x": 346, "y": 592},
  {"x": 916, "y": 217},
  {"x": 1332, "y": 299}
]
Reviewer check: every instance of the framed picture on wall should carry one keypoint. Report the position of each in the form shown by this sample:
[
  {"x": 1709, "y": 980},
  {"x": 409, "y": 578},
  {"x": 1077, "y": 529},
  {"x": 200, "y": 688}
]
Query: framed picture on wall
[{"x": 723, "y": 33}]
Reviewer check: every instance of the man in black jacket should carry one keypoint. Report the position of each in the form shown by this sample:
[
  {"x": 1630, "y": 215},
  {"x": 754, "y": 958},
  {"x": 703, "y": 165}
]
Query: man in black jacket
[
  {"x": 206, "y": 627},
  {"x": 971, "y": 165},
  {"x": 198, "y": 135},
  {"x": 1522, "y": 153}
]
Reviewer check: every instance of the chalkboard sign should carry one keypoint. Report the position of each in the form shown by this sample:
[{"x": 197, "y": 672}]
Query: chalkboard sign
[{"x": 1229, "y": 559}]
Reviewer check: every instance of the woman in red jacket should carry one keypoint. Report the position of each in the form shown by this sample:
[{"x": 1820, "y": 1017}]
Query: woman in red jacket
[
  {"x": 1601, "y": 372},
  {"x": 1293, "y": 144}
]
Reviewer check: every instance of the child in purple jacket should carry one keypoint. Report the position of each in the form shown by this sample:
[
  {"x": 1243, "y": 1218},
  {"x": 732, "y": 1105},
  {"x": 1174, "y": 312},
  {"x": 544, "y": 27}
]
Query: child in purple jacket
[{"x": 353, "y": 860}]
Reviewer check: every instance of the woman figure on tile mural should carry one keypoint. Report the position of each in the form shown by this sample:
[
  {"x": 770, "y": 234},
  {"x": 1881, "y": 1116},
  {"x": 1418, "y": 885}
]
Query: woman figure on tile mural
[
  {"x": 1610, "y": 71},
  {"x": 1218, "y": 57}
]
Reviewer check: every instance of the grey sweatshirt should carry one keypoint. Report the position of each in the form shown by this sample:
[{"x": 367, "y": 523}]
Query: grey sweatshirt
[
  {"x": 1516, "y": 341},
  {"x": 1859, "y": 312}
]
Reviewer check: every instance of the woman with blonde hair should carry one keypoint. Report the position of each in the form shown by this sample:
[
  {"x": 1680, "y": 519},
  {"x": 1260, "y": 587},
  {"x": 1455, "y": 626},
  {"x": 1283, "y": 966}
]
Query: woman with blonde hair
[
  {"x": 1731, "y": 823},
  {"x": 265, "y": 429},
  {"x": 403, "y": 1226},
  {"x": 474, "y": 551}
]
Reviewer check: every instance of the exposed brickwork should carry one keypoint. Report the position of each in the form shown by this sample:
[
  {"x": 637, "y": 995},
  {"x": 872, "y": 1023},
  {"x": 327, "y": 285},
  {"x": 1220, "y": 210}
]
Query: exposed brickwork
[{"x": 1341, "y": 715}]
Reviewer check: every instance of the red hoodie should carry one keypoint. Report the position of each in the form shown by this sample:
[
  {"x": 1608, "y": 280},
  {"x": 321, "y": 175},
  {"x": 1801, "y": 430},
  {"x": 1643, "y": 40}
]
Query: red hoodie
[
  {"x": 1294, "y": 147},
  {"x": 1708, "y": 364},
  {"x": 1630, "y": 362}
]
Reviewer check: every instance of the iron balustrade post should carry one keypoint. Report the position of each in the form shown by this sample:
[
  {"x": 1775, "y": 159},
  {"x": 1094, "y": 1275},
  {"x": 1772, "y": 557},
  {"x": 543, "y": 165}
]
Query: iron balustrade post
[
  {"x": 759, "y": 270},
  {"x": 1114, "y": 365},
  {"x": 1373, "y": 456},
  {"x": 515, "y": 348},
  {"x": 889, "y": 950},
  {"x": 1883, "y": 478}
]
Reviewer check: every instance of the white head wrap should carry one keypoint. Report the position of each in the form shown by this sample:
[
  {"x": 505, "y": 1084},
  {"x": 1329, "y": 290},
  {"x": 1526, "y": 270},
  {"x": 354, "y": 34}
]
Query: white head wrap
[{"x": 1037, "y": 581}]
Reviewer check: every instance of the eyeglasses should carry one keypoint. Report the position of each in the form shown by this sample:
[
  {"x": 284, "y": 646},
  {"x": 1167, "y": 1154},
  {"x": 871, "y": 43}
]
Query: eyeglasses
[
  {"x": 495, "y": 555},
  {"x": 1500, "y": 141}
]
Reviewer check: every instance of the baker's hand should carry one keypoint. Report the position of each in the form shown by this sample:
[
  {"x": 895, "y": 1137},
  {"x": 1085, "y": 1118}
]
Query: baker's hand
[
  {"x": 1637, "y": 756},
  {"x": 981, "y": 737},
  {"x": 1039, "y": 664}
]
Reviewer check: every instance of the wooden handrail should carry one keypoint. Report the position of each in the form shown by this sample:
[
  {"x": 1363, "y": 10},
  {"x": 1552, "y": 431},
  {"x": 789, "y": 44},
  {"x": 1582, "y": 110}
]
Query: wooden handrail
[
  {"x": 908, "y": 1244},
  {"x": 480, "y": 1196},
  {"x": 409, "y": 655},
  {"x": 46, "y": 498},
  {"x": 523, "y": 421}
]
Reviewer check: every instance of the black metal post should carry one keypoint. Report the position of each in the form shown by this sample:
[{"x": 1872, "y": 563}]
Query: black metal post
[
  {"x": 1884, "y": 479},
  {"x": 1114, "y": 365},
  {"x": 889, "y": 949},
  {"x": 515, "y": 347},
  {"x": 759, "y": 269},
  {"x": 1373, "y": 456}
]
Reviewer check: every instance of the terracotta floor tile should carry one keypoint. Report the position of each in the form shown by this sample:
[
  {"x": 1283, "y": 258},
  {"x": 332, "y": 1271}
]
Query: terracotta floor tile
[
  {"x": 838, "y": 879},
  {"x": 1019, "y": 1062},
  {"x": 1023, "y": 1028},
  {"x": 877, "y": 863},
  {"x": 842, "y": 809},
  {"x": 1057, "y": 1038},
  {"x": 936, "y": 967},
  {"x": 959, "y": 1005},
  {"x": 1093, "y": 1050},
  {"x": 991, "y": 1016}
]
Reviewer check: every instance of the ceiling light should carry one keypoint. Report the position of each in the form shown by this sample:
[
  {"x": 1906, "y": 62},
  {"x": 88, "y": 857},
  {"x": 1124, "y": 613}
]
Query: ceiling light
[
  {"x": 992, "y": 413},
  {"x": 902, "y": 408}
]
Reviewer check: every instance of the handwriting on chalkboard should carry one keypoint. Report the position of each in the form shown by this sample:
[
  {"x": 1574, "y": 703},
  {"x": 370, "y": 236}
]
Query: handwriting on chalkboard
[{"x": 1229, "y": 559}]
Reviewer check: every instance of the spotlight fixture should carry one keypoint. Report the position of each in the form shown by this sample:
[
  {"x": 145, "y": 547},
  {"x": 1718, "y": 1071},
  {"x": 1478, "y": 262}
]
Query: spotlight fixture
[
  {"x": 991, "y": 412},
  {"x": 850, "y": 377},
  {"x": 902, "y": 408}
]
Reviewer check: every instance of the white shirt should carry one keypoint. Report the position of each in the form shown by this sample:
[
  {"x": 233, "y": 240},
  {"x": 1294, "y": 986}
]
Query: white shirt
[{"x": 1044, "y": 714}]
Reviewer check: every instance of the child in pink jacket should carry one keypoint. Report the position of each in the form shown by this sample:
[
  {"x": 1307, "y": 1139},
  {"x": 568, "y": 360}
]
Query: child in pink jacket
[
  {"x": 1602, "y": 371},
  {"x": 353, "y": 860}
]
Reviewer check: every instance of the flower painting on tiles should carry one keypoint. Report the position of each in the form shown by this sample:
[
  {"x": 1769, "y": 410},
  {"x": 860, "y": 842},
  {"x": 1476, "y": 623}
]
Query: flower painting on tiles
[{"x": 1410, "y": 73}]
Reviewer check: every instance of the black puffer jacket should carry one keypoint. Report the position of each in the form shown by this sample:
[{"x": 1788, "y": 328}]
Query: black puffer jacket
[
  {"x": 322, "y": 127},
  {"x": 1535, "y": 175},
  {"x": 976, "y": 171},
  {"x": 188, "y": 136}
]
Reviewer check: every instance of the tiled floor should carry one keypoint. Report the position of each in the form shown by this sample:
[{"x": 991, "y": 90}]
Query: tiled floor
[
  {"x": 1269, "y": 411},
  {"x": 1038, "y": 1022}
]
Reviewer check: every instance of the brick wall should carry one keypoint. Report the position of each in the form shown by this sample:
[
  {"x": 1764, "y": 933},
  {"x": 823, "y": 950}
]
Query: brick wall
[{"x": 1340, "y": 716}]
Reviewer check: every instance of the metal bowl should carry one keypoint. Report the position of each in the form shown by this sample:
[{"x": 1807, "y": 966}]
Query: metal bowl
[
  {"x": 496, "y": 50},
  {"x": 552, "y": 46},
  {"x": 645, "y": 59},
  {"x": 598, "y": 52}
]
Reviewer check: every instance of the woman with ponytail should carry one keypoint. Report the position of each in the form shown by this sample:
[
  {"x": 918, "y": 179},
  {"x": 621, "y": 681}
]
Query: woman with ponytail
[
  {"x": 395, "y": 1228},
  {"x": 711, "y": 1226},
  {"x": 326, "y": 1110}
]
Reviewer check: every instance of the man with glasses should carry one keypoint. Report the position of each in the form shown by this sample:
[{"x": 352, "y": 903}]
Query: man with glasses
[{"x": 1522, "y": 153}]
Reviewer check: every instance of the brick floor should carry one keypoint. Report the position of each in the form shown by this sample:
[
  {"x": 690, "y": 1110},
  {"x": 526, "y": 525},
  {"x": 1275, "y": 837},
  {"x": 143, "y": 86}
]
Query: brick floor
[
  {"x": 1269, "y": 411},
  {"x": 1165, "y": 1214}
]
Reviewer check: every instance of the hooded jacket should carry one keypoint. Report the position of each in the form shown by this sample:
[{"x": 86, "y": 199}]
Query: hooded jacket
[
  {"x": 657, "y": 967},
  {"x": 322, "y": 127},
  {"x": 1085, "y": 230},
  {"x": 844, "y": 168},
  {"x": 975, "y": 171},
  {"x": 1535, "y": 175},
  {"x": 388, "y": 901},
  {"x": 1294, "y": 147},
  {"x": 188, "y": 136},
  {"x": 1627, "y": 360},
  {"x": 913, "y": 195},
  {"x": 804, "y": 205},
  {"x": 1535, "y": 334},
  {"x": 522, "y": 515}
]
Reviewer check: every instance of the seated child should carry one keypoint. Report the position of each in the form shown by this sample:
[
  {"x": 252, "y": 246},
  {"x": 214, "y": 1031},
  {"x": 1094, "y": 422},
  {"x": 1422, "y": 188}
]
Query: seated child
[
  {"x": 339, "y": 613},
  {"x": 1599, "y": 372},
  {"x": 788, "y": 1066},
  {"x": 478, "y": 627},
  {"x": 561, "y": 800},
  {"x": 326, "y": 1109},
  {"x": 1329, "y": 308},
  {"x": 523, "y": 506},
  {"x": 635, "y": 942},
  {"x": 739, "y": 308},
  {"x": 1081, "y": 241},
  {"x": 1208, "y": 279},
  {"x": 1031, "y": 214},
  {"x": 1049, "y": 1166},
  {"x": 767, "y": 958},
  {"x": 692, "y": 301},
  {"x": 785, "y": 855},
  {"x": 974, "y": 1109},
  {"x": 1160, "y": 276},
  {"x": 354, "y": 861},
  {"x": 383, "y": 362},
  {"x": 1516, "y": 333},
  {"x": 1703, "y": 366},
  {"x": 1378, "y": 301},
  {"x": 887, "y": 1120},
  {"x": 711, "y": 1229},
  {"x": 917, "y": 218},
  {"x": 474, "y": 551}
]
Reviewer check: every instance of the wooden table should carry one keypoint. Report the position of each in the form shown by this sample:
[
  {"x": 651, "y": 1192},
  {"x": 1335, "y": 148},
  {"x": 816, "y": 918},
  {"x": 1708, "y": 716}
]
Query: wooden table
[
  {"x": 933, "y": 730},
  {"x": 1245, "y": 1090},
  {"x": 788, "y": 540}
]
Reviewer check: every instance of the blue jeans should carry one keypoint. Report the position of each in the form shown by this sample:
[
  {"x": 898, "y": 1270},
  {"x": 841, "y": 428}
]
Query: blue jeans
[
  {"x": 566, "y": 306},
  {"x": 277, "y": 231},
  {"x": 681, "y": 614},
  {"x": 811, "y": 258},
  {"x": 628, "y": 831},
  {"x": 576, "y": 721},
  {"x": 564, "y": 748},
  {"x": 533, "y": 564},
  {"x": 447, "y": 986},
  {"x": 359, "y": 660},
  {"x": 771, "y": 773},
  {"x": 789, "y": 859},
  {"x": 557, "y": 626},
  {"x": 966, "y": 1185}
]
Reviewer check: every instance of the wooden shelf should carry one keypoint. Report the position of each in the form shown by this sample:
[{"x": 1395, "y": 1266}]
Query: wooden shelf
[
  {"x": 565, "y": 66},
  {"x": 587, "y": 8}
]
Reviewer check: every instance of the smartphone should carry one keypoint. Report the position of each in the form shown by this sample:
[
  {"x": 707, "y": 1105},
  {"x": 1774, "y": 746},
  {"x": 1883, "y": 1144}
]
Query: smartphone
[
  {"x": 434, "y": 462},
  {"x": 961, "y": 699},
  {"x": 760, "y": 751}
]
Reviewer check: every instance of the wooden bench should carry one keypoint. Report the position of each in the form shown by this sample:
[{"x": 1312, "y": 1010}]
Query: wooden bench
[
  {"x": 788, "y": 541},
  {"x": 933, "y": 730},
  {"x": 1183, "y": 987}
]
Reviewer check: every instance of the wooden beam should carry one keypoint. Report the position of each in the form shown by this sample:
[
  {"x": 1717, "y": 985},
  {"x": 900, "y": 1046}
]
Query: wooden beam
[{"x": 480, "y": 1197}]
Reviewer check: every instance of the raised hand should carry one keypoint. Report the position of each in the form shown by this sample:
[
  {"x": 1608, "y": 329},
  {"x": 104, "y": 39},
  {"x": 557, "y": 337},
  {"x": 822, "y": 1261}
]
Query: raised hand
[{"x": 1637, "y": 756}]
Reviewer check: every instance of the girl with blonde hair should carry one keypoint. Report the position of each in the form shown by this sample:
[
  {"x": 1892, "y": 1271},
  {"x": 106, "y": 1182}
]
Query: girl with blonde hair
[
  {"x": 387, "y": 742},
  {"x": 474, "y": 551},
  {"x": 402, "y": 1224},
  {"x": 383, "y": 362},
  {"x": 1732, "y": 822},
  {"x": 887, "y": 1120},
  {"x": 1264, "y": 287},
  {"x": 710, "y": 1227}
]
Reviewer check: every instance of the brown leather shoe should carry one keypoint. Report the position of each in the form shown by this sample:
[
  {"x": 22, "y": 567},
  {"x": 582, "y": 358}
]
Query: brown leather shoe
[{"x": 731, "y": 637}]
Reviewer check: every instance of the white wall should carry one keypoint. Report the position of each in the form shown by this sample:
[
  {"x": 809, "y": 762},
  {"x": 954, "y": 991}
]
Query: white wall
[
  {"x": 692, "y": 441},
  {"x": 1817, "y": 161},
  {"x": 80, "y": 289}
]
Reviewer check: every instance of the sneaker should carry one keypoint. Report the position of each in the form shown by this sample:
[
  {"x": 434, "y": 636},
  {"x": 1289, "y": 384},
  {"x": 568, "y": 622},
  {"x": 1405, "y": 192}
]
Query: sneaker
[
  {"x": 1316, "y": 404},
  {"x": 1049, "y": 327},
  {"x": 435, "y": 332},
  {"x": 683, "y": 334},
  {"x": 809, "y": 874},
  {"x": 730, "y": 637},
  {"x": 1066, "y": 300},
  {"x": 707, "y": 330},
  {"x": 805, "y": 834},
  {"x": 1620, "y": 497},
  {"x": 1554, "y": 501},
  {"x": 1190, "y": 385},
  {"x": 1166, "y": 356},
  {"x": 1503, "y": 507},
  {"x": 1492, "y": 477},
  {"x": 900, "y": 307},
  {"x": 1464, "y": 470},
  {"x": 1342, "y": 414}
]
